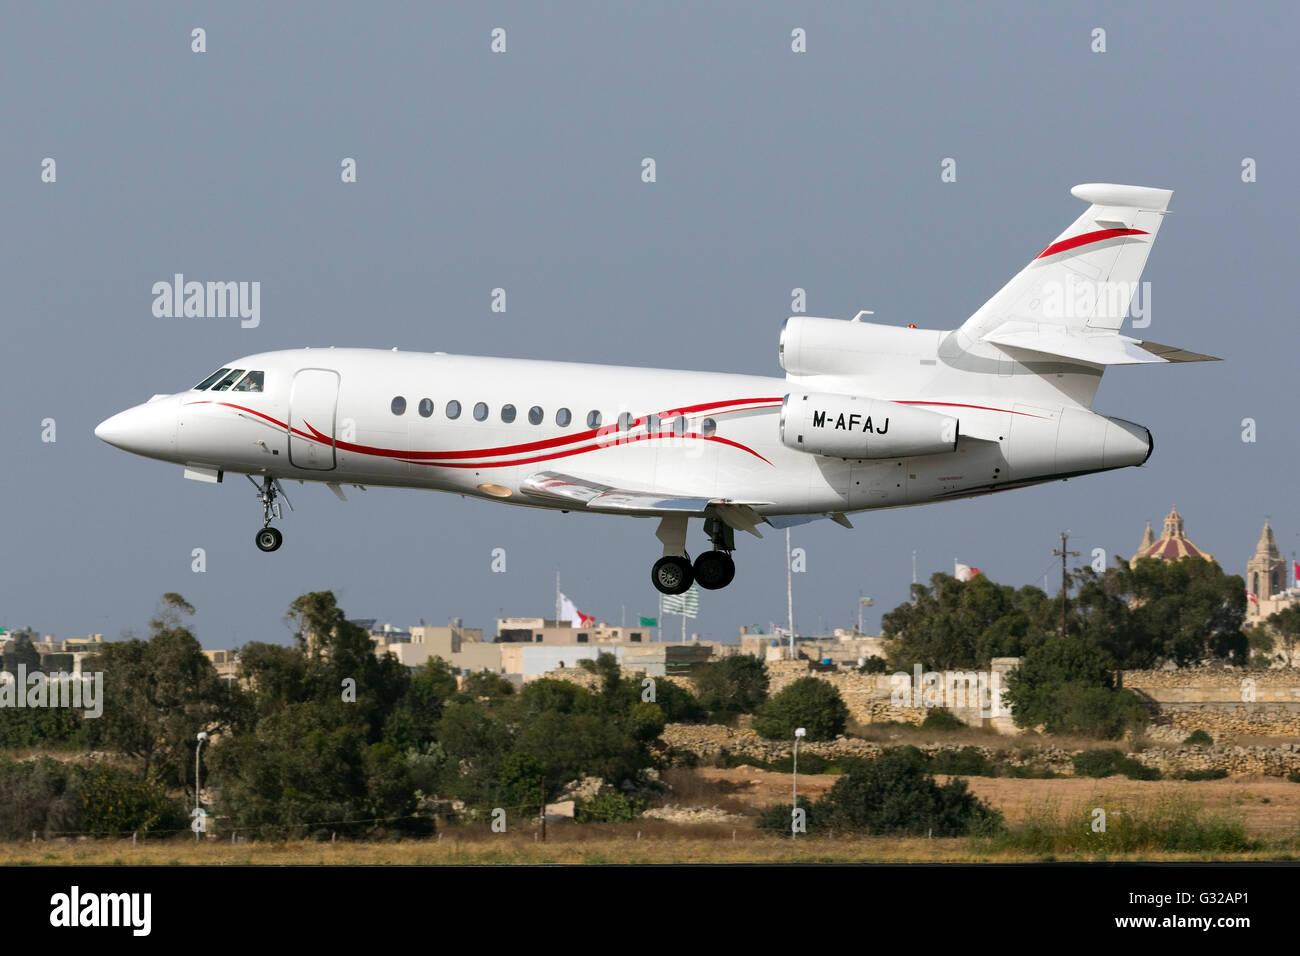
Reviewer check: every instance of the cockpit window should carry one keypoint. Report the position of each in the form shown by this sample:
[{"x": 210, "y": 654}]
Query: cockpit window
[
  {"x": 229, "y": 380},
  {"x": 252, "y": 382},
  {"x": 210, "y": 379}
]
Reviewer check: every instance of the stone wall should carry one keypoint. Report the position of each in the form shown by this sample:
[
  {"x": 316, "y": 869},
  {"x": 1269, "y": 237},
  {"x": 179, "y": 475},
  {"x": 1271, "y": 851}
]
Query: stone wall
[{"x": 709, "y": 740}]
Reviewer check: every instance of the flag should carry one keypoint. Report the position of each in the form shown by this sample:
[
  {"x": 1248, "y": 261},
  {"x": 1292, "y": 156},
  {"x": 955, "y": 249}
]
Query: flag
[
  {"x": 1296, "y": 563},
  {"x": 649, "y": 622},
  {"x": 964, "y": 572},
  {"x": 687, "y": 604},
  {"x": 866, "y": 602},
  {"x": 1251, "y": 598},
  {"x": 569, "y": 612}
]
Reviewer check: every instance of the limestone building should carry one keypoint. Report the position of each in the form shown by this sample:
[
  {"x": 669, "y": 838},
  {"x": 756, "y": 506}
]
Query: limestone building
[{"x": 1266, "y": 578}]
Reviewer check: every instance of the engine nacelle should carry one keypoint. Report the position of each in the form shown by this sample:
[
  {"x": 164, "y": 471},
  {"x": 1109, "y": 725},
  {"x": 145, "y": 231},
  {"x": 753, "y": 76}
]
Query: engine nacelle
[{"x": 846, "y": 426}]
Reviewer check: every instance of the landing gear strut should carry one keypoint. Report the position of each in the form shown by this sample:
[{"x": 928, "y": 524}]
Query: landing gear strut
[{"x": 269, "y": 539}]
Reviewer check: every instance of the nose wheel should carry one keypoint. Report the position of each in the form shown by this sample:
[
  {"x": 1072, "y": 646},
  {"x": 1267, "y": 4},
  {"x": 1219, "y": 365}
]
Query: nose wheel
[{"x": 269, "y": 539}]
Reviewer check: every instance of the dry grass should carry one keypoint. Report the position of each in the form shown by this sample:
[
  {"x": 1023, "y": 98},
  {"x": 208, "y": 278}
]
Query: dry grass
[{"x": 578, "y": 845}]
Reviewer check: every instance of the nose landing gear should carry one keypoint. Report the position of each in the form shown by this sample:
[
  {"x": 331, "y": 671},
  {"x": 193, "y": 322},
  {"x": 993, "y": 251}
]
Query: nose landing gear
[{"x": 269, "y": 539}]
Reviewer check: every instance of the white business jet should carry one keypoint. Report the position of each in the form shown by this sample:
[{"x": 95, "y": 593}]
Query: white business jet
[{"x": 867, "y": 416}]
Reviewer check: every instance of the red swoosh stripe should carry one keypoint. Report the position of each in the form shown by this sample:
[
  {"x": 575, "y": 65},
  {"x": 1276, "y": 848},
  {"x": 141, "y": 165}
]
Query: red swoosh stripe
[
  {"x": 611, "y": 433},
  {"x": 983, "y": 408},
  {"x": 1087, "y": 238}
]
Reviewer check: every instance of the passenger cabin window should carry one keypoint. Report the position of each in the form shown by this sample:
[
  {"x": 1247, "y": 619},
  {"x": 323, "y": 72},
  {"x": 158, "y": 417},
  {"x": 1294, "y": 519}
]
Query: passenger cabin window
[
  {"x": 229, "y": 380},
  {"x": 507, "y": 413},
  {"x": 399, "y": 405},
  {"x": 210, "y": 379},
  {"x": 563, "y": 417},
  {"x": 708, "y": 427},
  {"x": 480, "y": 411},
  {"x": 426, "y": 407},
  {"x": 593, "y": 419},
  {"x": 624, "y": 421},
  {"x": 535, "y": 415},
  {"x": 453, "y": 409},
  {"x": 252, "y": 382}
]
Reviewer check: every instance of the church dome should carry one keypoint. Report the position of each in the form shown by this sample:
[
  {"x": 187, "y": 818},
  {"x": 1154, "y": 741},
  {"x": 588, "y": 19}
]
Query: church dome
[{"x": 1172, "y": 545}]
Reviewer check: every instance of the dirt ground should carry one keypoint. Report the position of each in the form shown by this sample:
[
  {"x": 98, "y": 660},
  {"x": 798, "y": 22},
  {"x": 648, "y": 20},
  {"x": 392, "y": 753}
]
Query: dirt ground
[{"x": 1266, "y": 806}]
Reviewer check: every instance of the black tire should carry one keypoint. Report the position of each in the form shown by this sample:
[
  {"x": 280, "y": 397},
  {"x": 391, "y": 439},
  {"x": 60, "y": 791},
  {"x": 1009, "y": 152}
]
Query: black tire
[
  {"x": 714, "y": 570},
  {"x": 672, "y": 575},
  {"x": 269, "y": 539}
]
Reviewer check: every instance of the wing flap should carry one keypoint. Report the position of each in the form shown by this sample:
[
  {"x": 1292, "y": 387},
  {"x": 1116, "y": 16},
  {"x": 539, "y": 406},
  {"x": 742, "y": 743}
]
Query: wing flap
[{"x": 601, "y": 497}]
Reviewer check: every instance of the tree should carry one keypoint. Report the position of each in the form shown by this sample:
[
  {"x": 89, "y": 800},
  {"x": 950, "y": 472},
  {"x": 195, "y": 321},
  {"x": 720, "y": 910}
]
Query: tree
[
  {"x": 959, "y": 625},
  {"x": 1154, "y": 611},
  {"x": 810, "y": 703},
  {"x": 736, "y": 684},
  {"x": 1286, "y": 624},
  {"x": 158, "y": 694},
  {"x": 486, "y": 683},
  {"x": 413, "y": 722},
  {"x": 1069, "y": 687}
]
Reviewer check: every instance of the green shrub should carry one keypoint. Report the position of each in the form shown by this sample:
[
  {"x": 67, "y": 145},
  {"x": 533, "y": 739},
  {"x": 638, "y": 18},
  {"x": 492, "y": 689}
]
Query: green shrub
[
  {"x": 116, "y": 802},
  {"x": 780, "y": 819},
  {"x": 610, "y": 807},
  {"x": 1294, "y": 776},
  {"x": 967, "y": 762},
  {"x": 809, "y": 703},
  {"x": 1028, "y": 771},
  {"x": 1107, "y": 763},
  {"x": 1198, "y": 738},
  {"x": 941, "y": 718},
  {"x": 873, "y": 665},
  {"x": 1212, "y": 773},
  {"x": 1097, "y": 763},
  {"x": 896, "y": 794}
]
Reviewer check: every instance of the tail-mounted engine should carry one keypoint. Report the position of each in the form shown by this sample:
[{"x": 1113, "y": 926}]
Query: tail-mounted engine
[{"x": 846, "y": 426}]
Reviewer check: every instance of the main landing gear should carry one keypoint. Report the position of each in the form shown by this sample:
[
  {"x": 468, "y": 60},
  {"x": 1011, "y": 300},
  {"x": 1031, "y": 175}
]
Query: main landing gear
[
  {"x": 269, "y": 539},
  {"x": 674, "y": 573}
]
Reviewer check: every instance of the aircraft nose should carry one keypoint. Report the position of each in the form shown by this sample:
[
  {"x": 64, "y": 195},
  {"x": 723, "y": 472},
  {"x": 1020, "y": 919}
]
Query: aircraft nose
[{"x": 148, "y": 429}]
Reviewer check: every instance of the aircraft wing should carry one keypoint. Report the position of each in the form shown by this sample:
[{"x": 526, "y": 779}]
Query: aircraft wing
[{"x": 600, "y": 497}]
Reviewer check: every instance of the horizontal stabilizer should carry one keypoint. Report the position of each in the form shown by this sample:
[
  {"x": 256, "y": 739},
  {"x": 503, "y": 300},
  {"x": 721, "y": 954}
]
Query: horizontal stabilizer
[{"x": 1099, "y": 348}]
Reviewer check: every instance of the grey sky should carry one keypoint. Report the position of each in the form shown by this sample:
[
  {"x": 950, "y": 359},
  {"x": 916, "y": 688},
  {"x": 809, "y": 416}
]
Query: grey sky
[{"x": 775, "y": 170}]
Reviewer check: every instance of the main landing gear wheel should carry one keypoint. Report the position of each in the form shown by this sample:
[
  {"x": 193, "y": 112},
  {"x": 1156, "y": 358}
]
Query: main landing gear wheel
[
  {"x": 672, "y": 575},
  {"x": 714, "y": 570},
  {"x": 269, "y": 539}
]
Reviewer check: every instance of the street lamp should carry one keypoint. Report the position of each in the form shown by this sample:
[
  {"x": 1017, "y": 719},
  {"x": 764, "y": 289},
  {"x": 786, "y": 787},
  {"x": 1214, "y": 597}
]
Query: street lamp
[
  {"x": 203, "y": 735},
  {"x": 798, "y": 735}
]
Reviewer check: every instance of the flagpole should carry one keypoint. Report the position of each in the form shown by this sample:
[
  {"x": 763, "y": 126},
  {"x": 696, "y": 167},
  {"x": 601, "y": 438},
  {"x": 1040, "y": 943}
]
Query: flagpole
[
  {"x": 659, "y": 628},
  {"x": 789, "y": 590},
  {"x": 557, "y": 594}
]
